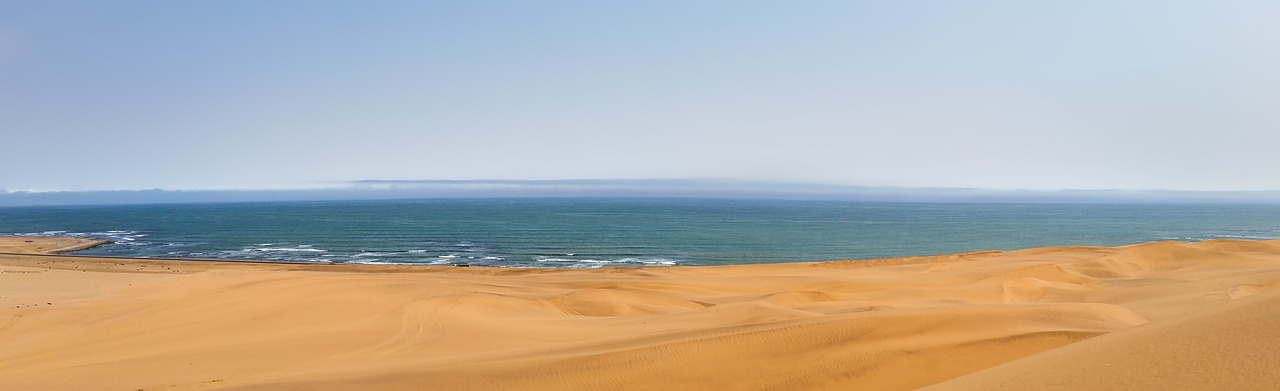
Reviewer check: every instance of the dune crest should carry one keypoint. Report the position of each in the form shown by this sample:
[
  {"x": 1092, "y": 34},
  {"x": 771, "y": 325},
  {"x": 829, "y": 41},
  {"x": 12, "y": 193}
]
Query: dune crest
[{"x": 73, "y": 323}]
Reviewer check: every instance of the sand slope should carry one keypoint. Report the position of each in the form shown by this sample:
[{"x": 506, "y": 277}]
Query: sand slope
[
  {"x": 1232, "y": 347},
  {"x": 85, "y": 323}
]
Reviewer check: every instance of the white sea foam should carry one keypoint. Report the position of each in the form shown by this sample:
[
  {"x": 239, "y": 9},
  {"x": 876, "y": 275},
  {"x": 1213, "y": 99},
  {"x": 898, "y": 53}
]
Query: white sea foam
[
  {"x": 298, "y": 249},
  {"x": 1229, "y": 236},
  {"x": 406, "y": 262},
  {"x": 556, "y": 260},
  {"x": 651, "y": 261},
  {"x": 114, "y": 236},
  {"x": 591, "y": 263}
]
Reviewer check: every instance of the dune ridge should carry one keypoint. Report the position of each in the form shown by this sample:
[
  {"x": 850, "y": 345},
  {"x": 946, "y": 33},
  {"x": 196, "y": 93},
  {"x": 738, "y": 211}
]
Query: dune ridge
[{"x": 890, "y": 324}]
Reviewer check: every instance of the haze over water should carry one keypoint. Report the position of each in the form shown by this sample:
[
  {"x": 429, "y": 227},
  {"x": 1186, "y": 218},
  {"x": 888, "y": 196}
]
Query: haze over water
[{"x": 629, "y": 232}]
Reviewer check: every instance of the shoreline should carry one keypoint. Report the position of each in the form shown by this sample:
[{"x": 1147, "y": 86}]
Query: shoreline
[
  {"x": 78, "y": 247},
  {"x": 73, "y": 244},
  {"x": 46, "y": 245},
  {"x": 951, "y": 322},
  {"x": 85, "y": 243}
]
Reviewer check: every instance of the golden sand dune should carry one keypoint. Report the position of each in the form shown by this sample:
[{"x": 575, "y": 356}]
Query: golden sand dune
[
  {"x": 1232, "y": 347},
  {"x": 78, "y": 323}
]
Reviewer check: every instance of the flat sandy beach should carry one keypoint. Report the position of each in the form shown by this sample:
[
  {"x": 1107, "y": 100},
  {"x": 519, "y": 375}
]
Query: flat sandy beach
[{"x": 1158, "y": 316}]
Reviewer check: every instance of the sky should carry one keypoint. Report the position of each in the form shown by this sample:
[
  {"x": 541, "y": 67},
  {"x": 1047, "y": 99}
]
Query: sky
[{"x": 119, "y": 95}]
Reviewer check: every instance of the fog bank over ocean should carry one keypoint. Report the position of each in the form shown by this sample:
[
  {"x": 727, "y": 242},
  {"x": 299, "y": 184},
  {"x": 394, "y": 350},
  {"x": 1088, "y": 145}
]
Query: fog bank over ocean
[{"x": 637, "y": 188}]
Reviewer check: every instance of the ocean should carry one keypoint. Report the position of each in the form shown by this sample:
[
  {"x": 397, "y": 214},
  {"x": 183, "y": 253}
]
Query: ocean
[{"x": 568, "y": 232}]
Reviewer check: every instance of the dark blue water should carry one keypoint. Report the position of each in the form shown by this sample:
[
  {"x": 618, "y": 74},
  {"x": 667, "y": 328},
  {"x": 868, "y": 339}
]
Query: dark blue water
[{"x": 597, "y": 232}]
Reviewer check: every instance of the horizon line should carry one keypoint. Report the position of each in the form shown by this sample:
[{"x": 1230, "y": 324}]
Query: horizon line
[{"x": 365, "y": 183}]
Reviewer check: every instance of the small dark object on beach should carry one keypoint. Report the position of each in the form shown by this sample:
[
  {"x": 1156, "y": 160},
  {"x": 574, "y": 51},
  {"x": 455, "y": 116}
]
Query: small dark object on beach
[{"x": 461, "y": 265}]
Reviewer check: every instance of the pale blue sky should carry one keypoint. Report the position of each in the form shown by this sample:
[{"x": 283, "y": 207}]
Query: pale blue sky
[{"x": 992, "y": 94}]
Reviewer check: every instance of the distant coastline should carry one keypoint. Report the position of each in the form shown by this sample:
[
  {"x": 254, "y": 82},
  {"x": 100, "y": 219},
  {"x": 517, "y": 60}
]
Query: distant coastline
[{"x": 628, "y": 188}]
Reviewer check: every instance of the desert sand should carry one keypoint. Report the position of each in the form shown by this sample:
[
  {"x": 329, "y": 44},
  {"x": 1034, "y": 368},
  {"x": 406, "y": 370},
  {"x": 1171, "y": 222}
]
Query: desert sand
[{"x": 1157, "y": 316}]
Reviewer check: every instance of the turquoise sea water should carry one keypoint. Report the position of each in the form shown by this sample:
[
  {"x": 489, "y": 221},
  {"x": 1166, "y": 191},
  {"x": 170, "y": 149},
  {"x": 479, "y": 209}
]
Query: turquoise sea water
[{"x": 629, "y": 232}]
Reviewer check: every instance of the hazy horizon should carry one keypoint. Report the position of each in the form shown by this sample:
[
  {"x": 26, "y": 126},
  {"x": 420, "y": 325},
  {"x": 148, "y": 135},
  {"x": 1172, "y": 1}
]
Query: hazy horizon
[
  {"x": 977, "y": 95},
  {"x": 373, "y": 190}
]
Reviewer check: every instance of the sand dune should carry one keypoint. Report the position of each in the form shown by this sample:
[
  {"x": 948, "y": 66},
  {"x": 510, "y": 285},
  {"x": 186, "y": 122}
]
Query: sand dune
[
  {"x": 1232, "y": 347},
  {"x": 78, "y": 323}
]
